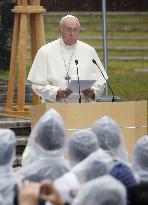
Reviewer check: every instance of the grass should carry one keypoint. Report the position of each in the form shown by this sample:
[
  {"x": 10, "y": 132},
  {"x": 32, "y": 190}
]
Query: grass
[
  {"x": 4, "y": 74},
  {"x": 125, "y": 81}
]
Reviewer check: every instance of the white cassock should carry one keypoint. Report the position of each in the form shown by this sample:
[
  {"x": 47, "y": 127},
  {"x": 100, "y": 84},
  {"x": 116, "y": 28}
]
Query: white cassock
[{"x": 55, "y": 60}]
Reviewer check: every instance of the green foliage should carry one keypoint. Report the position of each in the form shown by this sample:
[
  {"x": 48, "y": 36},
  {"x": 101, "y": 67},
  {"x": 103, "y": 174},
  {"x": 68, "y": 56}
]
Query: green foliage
[{"x": 4, "y": 74}]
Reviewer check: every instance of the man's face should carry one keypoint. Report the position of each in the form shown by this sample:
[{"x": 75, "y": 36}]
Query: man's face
[{"x": 69, "y": 31}]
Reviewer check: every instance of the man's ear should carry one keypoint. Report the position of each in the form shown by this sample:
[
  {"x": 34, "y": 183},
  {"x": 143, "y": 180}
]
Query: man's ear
[{"x": 59, "y": 29}]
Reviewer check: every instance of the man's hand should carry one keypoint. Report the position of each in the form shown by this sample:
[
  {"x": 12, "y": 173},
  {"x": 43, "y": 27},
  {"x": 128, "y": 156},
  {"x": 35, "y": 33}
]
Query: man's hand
[
  {"x": 62, "y": 93},
  {"x": 29, "y": 193},
  {"x": 89, "y": 93},
  {"x": 49, "y": 193}
]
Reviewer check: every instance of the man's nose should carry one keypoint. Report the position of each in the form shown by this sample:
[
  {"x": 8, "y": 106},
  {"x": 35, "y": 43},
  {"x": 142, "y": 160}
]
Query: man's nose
[{"x": 72, "y": 32}]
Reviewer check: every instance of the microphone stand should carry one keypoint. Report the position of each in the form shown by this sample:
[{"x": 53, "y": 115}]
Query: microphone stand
[
  {"x": 113, "y": 97},
  {"x": 76, "y": 62}
]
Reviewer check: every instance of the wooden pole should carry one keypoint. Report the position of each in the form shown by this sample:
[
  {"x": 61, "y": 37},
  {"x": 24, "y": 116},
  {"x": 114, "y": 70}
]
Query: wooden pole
[
  {"x": 34, "y": 48},
  {"x": 22, "y": 62},
  {"x": 25, "y": 9},
  {"x": 12, "y": 70},
  {"x": 25, "y": 3}
]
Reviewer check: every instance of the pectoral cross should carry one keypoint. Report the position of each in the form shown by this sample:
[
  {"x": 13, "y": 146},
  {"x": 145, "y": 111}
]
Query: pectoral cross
[{"x": 67, "y": 77}]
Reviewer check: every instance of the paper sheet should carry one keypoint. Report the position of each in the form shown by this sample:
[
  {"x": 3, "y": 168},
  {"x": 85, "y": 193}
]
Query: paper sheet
[{"x": 84, "y": 84}]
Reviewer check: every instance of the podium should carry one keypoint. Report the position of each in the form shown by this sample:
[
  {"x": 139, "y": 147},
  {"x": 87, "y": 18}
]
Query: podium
[{"x": 131, "y": 116}]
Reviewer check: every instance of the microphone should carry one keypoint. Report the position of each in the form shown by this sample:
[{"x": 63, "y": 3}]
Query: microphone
[
  {"x": 113, "y": 97},
  {"x": 76, "y": 62}
]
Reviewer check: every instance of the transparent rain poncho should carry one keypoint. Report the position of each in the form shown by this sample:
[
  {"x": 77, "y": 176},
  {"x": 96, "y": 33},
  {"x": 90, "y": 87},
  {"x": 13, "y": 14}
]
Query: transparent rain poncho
[
  {"x": 8, "y": 179},
  {"x": 104, "y": 190},
  {"x": 110, "y": 137},
  {"x": 67, "y": 186},
  {"x": 45, "y": 155},
  {"x": 1, "y": 200},
  {"x": 96, "y": 164},
  {"x": 81, "y": 144},
  {"x": 140, "y": 158}
]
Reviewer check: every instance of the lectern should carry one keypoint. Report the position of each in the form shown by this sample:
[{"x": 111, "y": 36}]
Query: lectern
[
  {"x": 26, "y": 11},
  {"x": 131, "y": 116}
]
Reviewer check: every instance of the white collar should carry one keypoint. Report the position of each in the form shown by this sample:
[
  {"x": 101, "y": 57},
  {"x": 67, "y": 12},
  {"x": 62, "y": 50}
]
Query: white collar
[{"x": 67, "y": 46}]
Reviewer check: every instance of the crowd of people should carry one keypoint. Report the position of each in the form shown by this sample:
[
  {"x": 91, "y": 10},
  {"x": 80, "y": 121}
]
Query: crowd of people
[{"x": 90, "y": 167}]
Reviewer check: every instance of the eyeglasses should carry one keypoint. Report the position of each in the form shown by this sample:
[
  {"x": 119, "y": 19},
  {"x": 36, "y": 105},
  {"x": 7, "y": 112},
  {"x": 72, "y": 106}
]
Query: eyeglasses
[{"x": 69, "y": 30}]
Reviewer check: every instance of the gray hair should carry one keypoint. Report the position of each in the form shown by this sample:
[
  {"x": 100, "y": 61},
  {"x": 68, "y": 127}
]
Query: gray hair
[{"x": 65, "y": 18}]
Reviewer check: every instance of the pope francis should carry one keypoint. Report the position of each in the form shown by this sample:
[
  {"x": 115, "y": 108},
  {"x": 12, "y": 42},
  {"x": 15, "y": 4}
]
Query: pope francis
[{"x": 63, "y": 60}]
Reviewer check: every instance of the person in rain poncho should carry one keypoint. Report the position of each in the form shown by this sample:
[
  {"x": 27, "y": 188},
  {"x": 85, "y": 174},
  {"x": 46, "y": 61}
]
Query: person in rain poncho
[
  {"x": 95, "y": 165},
  {"x": 105, "y": 190},
  {"x": 8, "y": 179},
  {"x": 44, "y": 158},
  {"x": 81, "y": 144},
  {"x": 110, "y": 138},
  {"x": 140, "y": 159}
]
